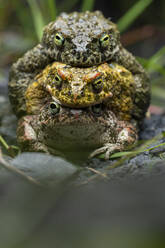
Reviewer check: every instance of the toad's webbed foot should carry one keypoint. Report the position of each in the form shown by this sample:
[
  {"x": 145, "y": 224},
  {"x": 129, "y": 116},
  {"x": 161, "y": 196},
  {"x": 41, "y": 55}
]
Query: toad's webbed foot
[
  {"x": 108, "y": 149},
  {"x": 127, "y": 136}
]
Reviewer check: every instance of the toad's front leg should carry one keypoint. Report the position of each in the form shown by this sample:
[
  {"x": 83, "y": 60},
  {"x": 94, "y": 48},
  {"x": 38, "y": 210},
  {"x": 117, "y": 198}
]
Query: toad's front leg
[
  {"x": 27, "y": 136},
  {"x": 126, "y": 136}
]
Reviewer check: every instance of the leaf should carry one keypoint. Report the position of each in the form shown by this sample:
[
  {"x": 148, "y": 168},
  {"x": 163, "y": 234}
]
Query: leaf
[
  {"x": 12, "y": 150},
  {"x": 154, "y": 63},
  {"x": 46, "y": 169},
  {"x": 37, "y": 17},
  {"x": 66, "y": 5},
  {"x": 126, "y": 20},
  {"x": 87, "y": 5},
  {"x": 155, "y": 59},
  {"x": 121, "y": 154},
  {"x": 52, "y": 9}
]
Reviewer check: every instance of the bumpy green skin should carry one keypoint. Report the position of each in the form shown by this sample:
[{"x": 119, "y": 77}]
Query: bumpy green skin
[
  {"x": 83, "y": 87},
  {"x": 74, "y": 134},
  {"x": 82, "y": 47}
]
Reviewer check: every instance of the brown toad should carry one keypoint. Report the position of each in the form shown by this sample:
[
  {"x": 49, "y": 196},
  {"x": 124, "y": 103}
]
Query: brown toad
[
  {"x": 74, "y": 134},
  {"x": 78, "y": 39}
]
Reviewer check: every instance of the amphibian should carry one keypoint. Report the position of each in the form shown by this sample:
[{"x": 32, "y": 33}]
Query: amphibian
[
  {"x": 81, "y": 40},
  {"x": 74, "y": 134},
  {"x": 83, "y": 87}
]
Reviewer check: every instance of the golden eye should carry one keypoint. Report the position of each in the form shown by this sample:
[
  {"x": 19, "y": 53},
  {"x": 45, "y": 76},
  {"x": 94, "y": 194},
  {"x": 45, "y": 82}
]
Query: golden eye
[
  {"x": 104, "y": 40},
  {"x": 57, "y": 81},
  {"x": 59, "y": 39},
  {"x": 54, "y": 107},
  {"x": 98, "y": 85}
]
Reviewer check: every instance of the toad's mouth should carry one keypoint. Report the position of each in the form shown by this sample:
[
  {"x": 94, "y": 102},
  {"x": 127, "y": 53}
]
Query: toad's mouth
[
  {"x": 56, "y": 108},
  {"x": 82, "y": 58},
  {"x": 82, "y": 103},
  {"x": 95, "y": 109}
]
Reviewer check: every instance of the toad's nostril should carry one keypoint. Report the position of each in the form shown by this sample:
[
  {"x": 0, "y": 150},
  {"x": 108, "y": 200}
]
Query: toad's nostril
[
  {"x": 76, "y": 112},
  {"x": 77, "y": 55},
  {"x": 73, "y": 52},
  {"x": 84, "y": 58},
  {"x": 75, "y": 97}
]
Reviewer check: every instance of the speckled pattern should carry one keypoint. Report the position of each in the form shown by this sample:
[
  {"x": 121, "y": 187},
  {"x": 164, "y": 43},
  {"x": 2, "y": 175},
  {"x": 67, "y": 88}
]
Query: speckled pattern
[
  {"x": 74, "y": 133},
  {"x": 78, "y": 39},
  {"x": 81, "y": 87},
  {"x": 82, "y": 33},
  {"x": 76, "y": 45}
]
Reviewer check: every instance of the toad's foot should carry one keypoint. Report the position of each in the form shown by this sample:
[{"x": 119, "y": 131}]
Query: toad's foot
[
  {"x": 108, "y": 149},
  {"x": 127, "y": 136}
]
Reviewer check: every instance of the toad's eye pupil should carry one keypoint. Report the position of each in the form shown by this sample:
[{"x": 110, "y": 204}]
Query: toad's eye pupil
[
  {"x": 106, "y": 38},
  {"x": 53, "y": 106},
  {"x": 59, "y": 39},
  {"x": 57, "y": 82},
  {"x": 57, "y": 79}
]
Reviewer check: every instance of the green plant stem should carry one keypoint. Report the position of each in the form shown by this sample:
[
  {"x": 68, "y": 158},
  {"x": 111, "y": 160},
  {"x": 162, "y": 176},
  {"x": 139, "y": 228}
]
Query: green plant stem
[
  {"x": 3, "y": 142},
  {"x": 126, "y": 20},
  {"x": 52, "y": 9},
  {"x": 66, "y": 5},
  {"x": 10, "y": 149},
  {"x": 87, "y": 5},
  {"x": 37, "y": 18},
  {"x": 128, "y": 155},
  {"x": 155, "y": 59}
]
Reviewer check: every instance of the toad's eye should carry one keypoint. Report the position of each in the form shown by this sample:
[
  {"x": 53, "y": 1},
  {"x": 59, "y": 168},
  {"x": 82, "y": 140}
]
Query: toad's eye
[
  {"x": 57, "y": 81},
  {"x": 104, "y": 40},
  {"x": 59, "y": 39},
  {"x": 54, "y": 107},
  {"x": 97, "y": 108},
  {"x": 97, "y": 85}
]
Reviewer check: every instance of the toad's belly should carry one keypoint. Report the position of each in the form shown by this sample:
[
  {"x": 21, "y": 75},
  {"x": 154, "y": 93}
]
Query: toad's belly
[{"x": 77, "y": 141}]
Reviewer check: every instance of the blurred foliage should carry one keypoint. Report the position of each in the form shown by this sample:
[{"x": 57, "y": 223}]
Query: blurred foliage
[
  {"x": 87, "y": 5},
  {"x": 37, "y": 18},
  {"x": 20, "y": 10},
  {"x": 137, "y": 9}
]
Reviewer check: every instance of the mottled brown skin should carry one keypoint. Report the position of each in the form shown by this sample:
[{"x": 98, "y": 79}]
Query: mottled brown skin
[
  {"x": 74, "y": 134},
  {"x": 82, "y": 87},
  {"x": 81, "y": 40}
]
